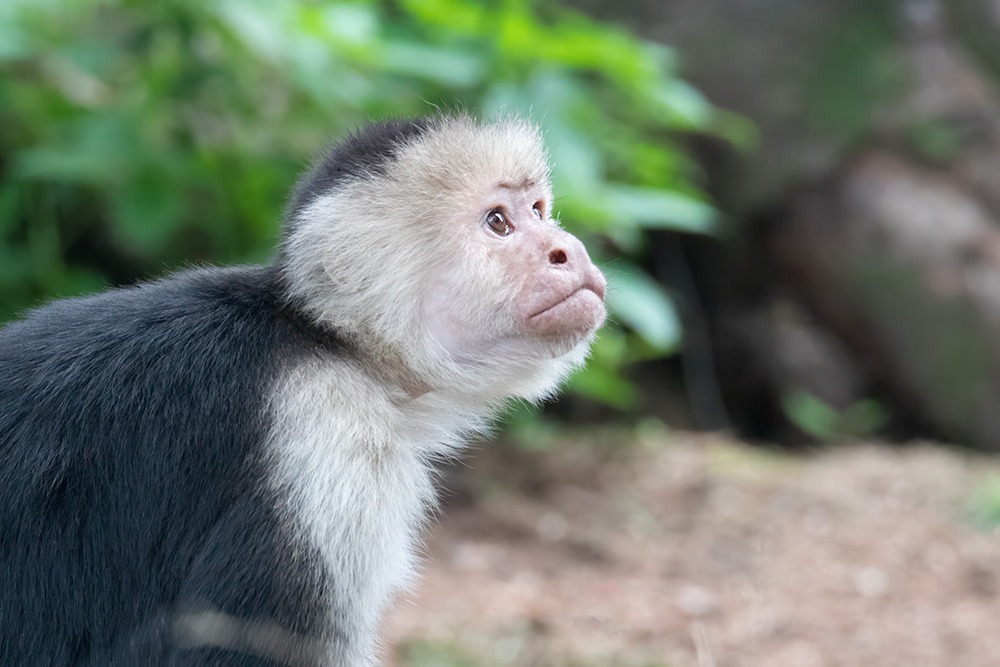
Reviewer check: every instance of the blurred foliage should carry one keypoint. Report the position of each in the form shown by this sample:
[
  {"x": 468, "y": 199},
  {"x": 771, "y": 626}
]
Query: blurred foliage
[
  {"x": 856, "y": 70},
  {"x": 137, "y": 137},
  {"x": 823, "y": 422},
  {"x": 984, "y": 504},
  {"x": 935, "y": 140},
  {"x": 512, "y": 650},
  {"x": 439, "y": 654}
]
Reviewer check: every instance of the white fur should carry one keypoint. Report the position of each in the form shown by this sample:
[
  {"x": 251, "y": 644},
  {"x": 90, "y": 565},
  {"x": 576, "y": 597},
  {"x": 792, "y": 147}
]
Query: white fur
[
  {"x": 387, "y": 262},
  {"x": 353, "y": 461}
]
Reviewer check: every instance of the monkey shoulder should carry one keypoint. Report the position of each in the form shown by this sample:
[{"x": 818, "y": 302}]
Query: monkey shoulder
[
  {"x": 204, "y": 330},
  {"x": 132, "y": 386},
  {"x": 143, "y": 413}
]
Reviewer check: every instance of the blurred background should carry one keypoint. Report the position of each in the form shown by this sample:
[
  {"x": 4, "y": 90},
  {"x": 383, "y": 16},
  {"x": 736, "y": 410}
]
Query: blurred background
[{"x": 783, "y": 451}]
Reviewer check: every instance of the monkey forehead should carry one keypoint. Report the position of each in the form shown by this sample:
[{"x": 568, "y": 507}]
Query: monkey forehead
[
  {"x": 461, "y": 155},
  {"x": 453, "y": 159}
]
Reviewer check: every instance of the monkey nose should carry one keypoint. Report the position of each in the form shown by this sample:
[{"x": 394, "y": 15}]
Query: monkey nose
[
  {"x": 571, "y": 255},
  {"x": 567, "y": 252}
]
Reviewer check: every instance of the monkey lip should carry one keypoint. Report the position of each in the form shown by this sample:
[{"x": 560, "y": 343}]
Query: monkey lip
[
  {"x": 580, "y": 291},
  {"x": 575, "y": 314},
  {"x": 592, "y": 283}
]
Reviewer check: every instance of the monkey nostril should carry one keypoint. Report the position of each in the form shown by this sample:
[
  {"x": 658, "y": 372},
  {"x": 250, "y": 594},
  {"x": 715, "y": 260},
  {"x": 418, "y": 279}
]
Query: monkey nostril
[{"x": 558, "y": 257}]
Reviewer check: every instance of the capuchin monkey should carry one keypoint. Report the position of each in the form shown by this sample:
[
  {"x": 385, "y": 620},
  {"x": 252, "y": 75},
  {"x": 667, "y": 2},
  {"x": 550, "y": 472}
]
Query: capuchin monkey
[{"x": 233, "y": 466}]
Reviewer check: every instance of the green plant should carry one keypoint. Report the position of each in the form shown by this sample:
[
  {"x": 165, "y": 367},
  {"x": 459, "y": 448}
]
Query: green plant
[
  {"x": 139, "y": 137},
  {"x": 815, "y": 417},
  {"x": 984, "y": 503}
]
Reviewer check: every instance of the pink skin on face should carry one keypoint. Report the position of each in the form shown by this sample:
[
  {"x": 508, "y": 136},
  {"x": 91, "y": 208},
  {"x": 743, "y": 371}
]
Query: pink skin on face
[
  {"x": 542, "y": 294},
  {"x": 561, "y": 291}
]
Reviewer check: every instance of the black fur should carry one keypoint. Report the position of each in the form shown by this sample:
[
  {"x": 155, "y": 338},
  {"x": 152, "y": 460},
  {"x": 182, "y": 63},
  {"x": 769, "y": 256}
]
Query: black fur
[
  {"x": 132, "y": 487},
  {"x": 363, "y": 154}
]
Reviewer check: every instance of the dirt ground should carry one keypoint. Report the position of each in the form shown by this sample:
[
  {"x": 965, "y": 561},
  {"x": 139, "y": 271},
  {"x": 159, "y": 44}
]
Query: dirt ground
[{"x": 679, "y": 550}]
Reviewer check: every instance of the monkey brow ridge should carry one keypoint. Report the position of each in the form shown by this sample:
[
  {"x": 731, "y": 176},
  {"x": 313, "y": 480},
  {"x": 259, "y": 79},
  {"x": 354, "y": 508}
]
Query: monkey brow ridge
[{"x": 524, "y": 184}]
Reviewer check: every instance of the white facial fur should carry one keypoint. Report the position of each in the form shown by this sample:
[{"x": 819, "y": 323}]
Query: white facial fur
[{"x": 404, "y": 263}]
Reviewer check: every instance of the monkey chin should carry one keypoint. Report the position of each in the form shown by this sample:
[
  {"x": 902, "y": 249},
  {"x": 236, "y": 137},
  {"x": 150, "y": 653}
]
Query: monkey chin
[
  {"x": 563, "y": 332},
  {"x": 555, "y": 360}
]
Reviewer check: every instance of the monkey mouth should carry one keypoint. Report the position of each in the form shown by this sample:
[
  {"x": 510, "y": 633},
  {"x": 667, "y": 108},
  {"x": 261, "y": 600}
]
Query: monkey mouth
[
  {"x": 575, "y": 314},
  {"x": 565, "y": 300},
  {"x": 591, "y": 284}
]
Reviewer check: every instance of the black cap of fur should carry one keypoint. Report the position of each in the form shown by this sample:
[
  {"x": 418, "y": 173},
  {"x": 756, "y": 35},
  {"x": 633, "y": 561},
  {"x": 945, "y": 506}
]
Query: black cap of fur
[{"x": 363, "y": 154}]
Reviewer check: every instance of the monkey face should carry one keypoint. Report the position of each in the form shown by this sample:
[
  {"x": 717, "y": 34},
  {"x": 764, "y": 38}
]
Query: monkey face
[
  {"x": 561, "y": 292},
  {"x": 446, "y": 258},
  {"x": 558, "y": 293},
  {"x": 521, "y": 288}
]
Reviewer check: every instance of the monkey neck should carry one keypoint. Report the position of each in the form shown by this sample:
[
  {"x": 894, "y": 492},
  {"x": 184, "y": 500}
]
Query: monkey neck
[
  {"x": 412, "y": 386},
  {"x": 390, "y": 369},
  {"x": 387, "y": 366}
]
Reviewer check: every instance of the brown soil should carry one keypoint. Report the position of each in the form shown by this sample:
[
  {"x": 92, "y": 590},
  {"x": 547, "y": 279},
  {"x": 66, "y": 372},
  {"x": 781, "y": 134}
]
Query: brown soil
[{"x": 687, "y": 550}]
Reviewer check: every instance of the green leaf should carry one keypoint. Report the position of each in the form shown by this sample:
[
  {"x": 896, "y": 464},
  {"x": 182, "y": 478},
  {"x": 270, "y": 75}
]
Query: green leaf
[
  {"x": 654, "y": 208},
  {"x": 811, "y": 415},
  {"x": 10, "y": 201},
  {"x": 576, "y": 162},
  {"x": 604, "y": 385},
  {"x": 96, "y": 148},
  {"x": 683, "y": 104},
  {"x": 984, "y": 503},
  {"x": 864, "y": 417},
  {"x": 146, "y": 213},
  {"x": 459, "y": 16},
  {"x": 350, "y": 24},
  {"x": 258, "y": 25},
  {"x": 15, "y": 41},
  {"x": 448, "y": 67},
  {"x": 62, "y": 164},
  {"x": 637, "y": 300}
]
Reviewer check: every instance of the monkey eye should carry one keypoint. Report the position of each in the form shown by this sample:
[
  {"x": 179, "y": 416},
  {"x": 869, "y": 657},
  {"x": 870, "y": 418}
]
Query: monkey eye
[
  {"x": 496, "y": 221},
  {"x": 538, "y": 209}
]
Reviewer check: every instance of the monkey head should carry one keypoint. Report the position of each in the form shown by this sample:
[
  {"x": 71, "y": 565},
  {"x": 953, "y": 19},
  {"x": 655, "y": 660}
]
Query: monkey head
[{"x": 432, "y": 244}]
